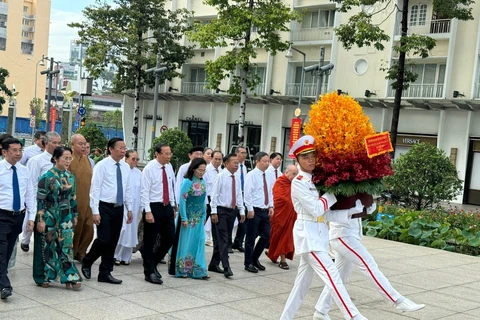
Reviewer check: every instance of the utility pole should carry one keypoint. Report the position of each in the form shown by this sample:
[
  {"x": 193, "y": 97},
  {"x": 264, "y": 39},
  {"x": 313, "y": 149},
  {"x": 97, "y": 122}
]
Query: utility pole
[{"x": 50, "y": 73}]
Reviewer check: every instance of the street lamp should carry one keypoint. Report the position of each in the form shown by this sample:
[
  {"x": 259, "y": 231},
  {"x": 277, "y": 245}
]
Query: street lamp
[
  {"x": 320, "y": 70},
  {"x": 289, "y": 55},
  {"x": 36, "y": 74}
]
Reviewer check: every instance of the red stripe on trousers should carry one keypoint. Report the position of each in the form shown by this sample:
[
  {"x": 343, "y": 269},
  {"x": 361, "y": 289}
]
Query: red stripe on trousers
[
  {"x": 333, "y": 284},
  {"x": 368, "y": 269}
]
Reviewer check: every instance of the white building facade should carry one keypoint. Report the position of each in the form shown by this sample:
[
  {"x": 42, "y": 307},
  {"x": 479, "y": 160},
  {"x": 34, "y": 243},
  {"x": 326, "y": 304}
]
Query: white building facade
[{"x": 431, "y": 113}]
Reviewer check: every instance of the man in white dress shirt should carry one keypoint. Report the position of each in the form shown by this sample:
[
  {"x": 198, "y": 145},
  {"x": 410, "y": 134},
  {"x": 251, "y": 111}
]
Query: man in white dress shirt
[
  {"x": 259, "y": 202},
  {"x": 159, "y": 211},
  {"x": 109, "y": 192},
  {"x": 226, "y": 197},
  {"x": 16, "y": 196},
  {"x": 274, "y": 168},
  {"x": 241, "y": 153},
  {"x": 211, "y": 171},
  {"x": 38, "y": 165},
  {"x": 36, "y": 148},
  {"x": 195, "y": 152}
]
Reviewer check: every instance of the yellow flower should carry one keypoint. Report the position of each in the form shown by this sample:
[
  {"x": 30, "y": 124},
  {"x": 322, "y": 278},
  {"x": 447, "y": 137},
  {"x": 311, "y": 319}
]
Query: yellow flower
[{"x": 338, "y": 124}]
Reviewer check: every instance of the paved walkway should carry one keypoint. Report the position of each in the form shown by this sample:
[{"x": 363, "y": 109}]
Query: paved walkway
[{"x": 447, "y": 283}]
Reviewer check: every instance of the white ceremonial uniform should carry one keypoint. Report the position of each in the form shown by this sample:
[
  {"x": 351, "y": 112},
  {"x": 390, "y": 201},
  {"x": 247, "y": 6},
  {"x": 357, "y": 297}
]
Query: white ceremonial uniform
[
  {"x": 37, "y": 166},
  {"x": 311, "y": 242},
  {"x": 345, "y": 240},
  {"x": 128, "y": 236},
  {"x": 30, "y": 152},
  {"x": 180, "y": 176}
]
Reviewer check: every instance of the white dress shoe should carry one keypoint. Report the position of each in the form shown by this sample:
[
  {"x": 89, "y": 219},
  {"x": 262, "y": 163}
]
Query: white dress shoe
[
  {"x": 320, "y": 316},
  {"x": 408, "y": 305}
]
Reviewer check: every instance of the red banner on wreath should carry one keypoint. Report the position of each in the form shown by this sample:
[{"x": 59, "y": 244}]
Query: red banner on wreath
[
  {"x": 53, "y": 118},
  {"x": 378, "y": 144},
  {"x": 295, "y": 132}
]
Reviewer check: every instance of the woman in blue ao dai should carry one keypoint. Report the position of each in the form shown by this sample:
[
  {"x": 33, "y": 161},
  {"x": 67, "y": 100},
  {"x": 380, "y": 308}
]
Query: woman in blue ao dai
[{"x": 190, "y": 258}]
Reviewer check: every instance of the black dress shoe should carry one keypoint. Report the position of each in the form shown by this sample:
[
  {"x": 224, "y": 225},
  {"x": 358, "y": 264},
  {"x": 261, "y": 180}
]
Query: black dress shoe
[
  {"x": 214, "y": 268},
  {"x": 109, "y": 279},
  {"x": 24, "y": 247},
  {"x": 6, "y": 292},
  {"x": 259, "y": 266},
  {"x": 239, "y": 248},
  {"x": 230, "y": 250},
  {"x": 152, "y": 278},
  {"x": 157, "y": 273},
  {"x": 228, "y": 273},
  {"x": 251, "y": 268},
  {"x": 86, "y": 271}
]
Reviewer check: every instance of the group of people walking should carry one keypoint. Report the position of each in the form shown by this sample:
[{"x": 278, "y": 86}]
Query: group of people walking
[{"x": 57, "y": 193}]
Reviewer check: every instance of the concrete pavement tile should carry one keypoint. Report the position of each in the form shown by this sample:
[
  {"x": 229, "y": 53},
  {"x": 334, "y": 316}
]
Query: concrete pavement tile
[
  {"x": 21, "y": 277},
  {"x": 165, "y": 301},
  {"x": 17, "y": 301},
  {"x": 474, "y": 267},
  {"x": 218, "y": 292},
  {"x": 266, "y": 308},
  {"x": 130, "y": 284},
  {"x": 437, "y": 261},
  {"x": 435, "y": 300},
  {"x": 473, "y": 312},
  {"x": 104, "y": 308},
  {"x": 461, "y": 292},
  {"x": 462, "y": 316},
  {"x": 157, "y": 316},
  {"x": 34, "y": 313},
  {"x": 427, "y": 280},
  {"x": 308, "y": 302},
  {"x": 215, "y": 312},
  {"x": 262, "y": 285},
  {"x": 21, "y": 266},
  {"x": 57, "y": 293}
]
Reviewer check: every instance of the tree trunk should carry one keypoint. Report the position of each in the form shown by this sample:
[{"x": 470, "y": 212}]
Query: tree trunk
[
  {"x": 400, "y": 78},
  {"x": 243, "y": 94},
  {"x": 137, "y": 95}
]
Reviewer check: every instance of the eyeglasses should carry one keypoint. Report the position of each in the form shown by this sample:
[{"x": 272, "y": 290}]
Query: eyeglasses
[
  {"x": 67, "y": 158},
  {"x": 167, "y": 154},
  {"x": 135, "y": 159}
]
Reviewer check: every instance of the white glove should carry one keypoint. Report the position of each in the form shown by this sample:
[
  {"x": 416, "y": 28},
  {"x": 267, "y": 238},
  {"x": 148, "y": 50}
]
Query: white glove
[
  {"x": 357, "y": 209},
  {"x": 372, "y": 208}
]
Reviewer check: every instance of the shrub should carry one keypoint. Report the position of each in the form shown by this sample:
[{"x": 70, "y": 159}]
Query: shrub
[
  {"x": 94, "y": 135},
  {"x": 423, "y": 177},
  {"x": 178, "y": 141}
]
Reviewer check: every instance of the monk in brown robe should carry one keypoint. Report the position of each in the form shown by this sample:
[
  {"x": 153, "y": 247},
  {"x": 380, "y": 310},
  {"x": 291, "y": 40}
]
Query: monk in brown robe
[
  {"x": 82, "y": 170},
  {"x": 282, "y": 221}
]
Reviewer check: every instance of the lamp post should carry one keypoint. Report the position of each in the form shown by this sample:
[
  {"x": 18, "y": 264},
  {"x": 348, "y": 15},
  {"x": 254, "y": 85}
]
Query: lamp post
[
  {"x": 35, "y": 88},
  {"x": 320, "y": 70},
  {"x": 289, "y": 55},
  {"x": 50, "y": 73}
]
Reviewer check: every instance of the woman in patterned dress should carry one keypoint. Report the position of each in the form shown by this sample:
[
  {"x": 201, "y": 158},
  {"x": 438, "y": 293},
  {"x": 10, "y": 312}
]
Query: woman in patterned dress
[
  {"x": 54, "y": 225},
  {"x": 188, "y": 256}
]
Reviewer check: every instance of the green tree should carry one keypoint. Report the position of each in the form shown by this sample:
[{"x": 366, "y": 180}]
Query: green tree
[
  {"x": 94, "y": 135},
  {"x": 423, "y": 177},
  {"x": 3, "y": 87},
  {"x": 116, "y": 33},
  {"x": 365, "y": 29},
  {"x": 37, "y": 104},
  {"x": 250, "y": 25},
  {"x": 113, "y": 119},
  {"x": 178, "y": 141}
]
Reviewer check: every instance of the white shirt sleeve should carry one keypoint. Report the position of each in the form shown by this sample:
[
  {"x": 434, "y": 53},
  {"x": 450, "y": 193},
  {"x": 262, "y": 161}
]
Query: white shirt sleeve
[{"x": 97, "y": 178}]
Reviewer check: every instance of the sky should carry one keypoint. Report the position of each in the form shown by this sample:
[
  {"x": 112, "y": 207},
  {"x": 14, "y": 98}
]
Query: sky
[{"x": 62, "y": 13}]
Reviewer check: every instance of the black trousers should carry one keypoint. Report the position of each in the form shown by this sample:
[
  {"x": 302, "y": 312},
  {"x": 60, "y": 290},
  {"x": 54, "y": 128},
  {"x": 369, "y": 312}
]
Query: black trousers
[
  {"x": 10, "y": 228},
  {"x": 221, "y": 232},
  {"x": 108, "y": 232},
  {"x": 165, "y": 226},
  {"x": 258, "y": 226},
  {"x": 241, "y": 231}
]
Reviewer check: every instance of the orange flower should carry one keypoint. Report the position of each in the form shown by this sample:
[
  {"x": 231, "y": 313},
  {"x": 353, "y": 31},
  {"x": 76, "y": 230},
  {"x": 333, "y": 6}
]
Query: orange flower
[{"x": 339, "y": 126}]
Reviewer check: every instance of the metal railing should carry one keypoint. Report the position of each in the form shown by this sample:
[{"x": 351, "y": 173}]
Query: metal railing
[
  {"x": 312, "y": 34},
  {"x": 28, "y": 29},
  {"x": 3, "y": 32},
  {"x": 309, "y": 89},
  {"x": 195, "y": 87},
  {"x": 27, "y": 51},
  {"x": 29, "y": 41},
  {"x": 426, "y": 27},
  {"x": 29, "y": 16},
  {"x": 259, "y": 90},
  {"x": 420, "y": 91}
]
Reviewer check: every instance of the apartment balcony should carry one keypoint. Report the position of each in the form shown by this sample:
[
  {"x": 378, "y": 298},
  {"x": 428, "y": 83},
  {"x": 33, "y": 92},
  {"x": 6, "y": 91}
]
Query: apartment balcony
[
  {"x": 28, "y": 29},
  {"x": 428, "y": 27},
  {"x": 312, "y": 34},
  {"x": 309, "y": 89},
  {"x": 420, "y": 91},
  {"x": 27, "y": 51},
  {"x": 259, "y": 90},
  {"x": 29, "y": 41},
  {"x": 3, "y": 32},
  {"x": 3, "y": 8},
  {"x": 29, "y": 17},
  {"x": 195, "y": 87}
]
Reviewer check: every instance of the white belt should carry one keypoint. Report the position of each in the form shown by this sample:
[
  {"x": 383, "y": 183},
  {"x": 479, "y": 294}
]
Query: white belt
[{"x": 320, "y": 219}]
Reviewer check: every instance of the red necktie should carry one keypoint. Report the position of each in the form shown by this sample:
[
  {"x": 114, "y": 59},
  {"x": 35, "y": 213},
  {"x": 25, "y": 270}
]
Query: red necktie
[
  {"x": 276, "y": 174},
  {"x": 234, "y": 192},
  {"x": 216, "y": 169},
  {"x": 166, "y": 196},
  {"x": 265, "y": 191}
]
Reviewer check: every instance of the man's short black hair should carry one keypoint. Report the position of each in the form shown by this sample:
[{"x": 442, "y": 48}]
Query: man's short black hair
[
  {"x": 39, "y": 134},
  {"x": 274, "y": 155},
  {"x": 111, "y": 143},
  {"x": 9, "y": 141}
]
